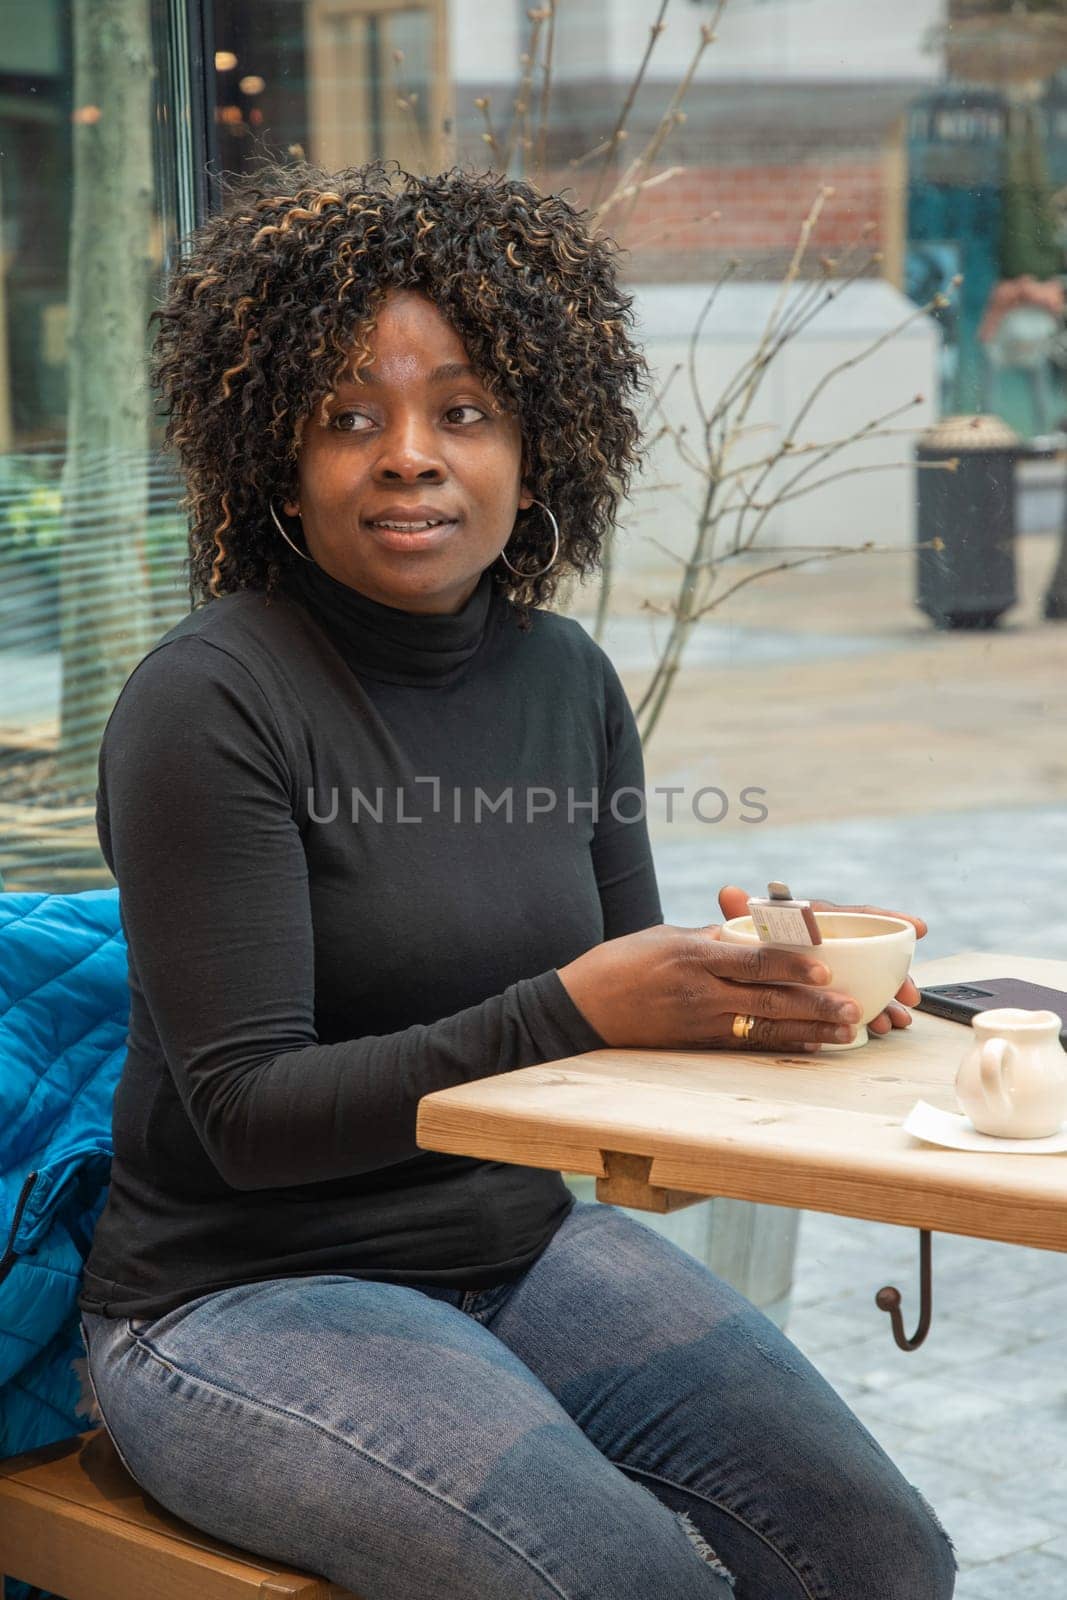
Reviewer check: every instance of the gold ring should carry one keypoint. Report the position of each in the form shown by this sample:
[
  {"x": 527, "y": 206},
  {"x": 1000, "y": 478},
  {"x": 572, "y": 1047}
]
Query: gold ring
[{"x": 743, "y": 1026}]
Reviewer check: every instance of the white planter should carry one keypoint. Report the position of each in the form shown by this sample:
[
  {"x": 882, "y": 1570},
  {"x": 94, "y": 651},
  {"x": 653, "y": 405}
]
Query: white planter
[{"x": 753, "y": 1247}]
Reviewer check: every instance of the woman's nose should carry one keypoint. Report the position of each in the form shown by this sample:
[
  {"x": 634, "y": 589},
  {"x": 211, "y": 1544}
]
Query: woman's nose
[{"x": 409, "y": 449}]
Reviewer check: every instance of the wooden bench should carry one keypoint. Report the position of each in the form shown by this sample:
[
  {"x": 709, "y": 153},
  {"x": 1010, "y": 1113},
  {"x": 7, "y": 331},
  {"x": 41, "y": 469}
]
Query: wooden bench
[{"x": 74, "y": 1522}]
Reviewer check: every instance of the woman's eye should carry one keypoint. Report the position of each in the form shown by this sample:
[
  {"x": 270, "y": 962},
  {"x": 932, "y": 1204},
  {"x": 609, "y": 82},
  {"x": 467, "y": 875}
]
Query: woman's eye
[{"x": 457, "y": 414}]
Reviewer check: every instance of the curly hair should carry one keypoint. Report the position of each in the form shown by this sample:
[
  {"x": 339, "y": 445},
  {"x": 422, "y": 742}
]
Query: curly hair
[{"x": 278, "y": 289}]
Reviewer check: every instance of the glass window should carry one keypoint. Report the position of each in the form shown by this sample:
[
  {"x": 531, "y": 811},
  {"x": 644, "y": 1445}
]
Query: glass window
[
  {"x": 338, "y": 81},
  {"x": 91, "y": 535}
]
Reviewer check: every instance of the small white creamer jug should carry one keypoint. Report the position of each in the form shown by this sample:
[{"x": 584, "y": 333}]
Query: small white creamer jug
[{"x": 1013, "y": 1081}]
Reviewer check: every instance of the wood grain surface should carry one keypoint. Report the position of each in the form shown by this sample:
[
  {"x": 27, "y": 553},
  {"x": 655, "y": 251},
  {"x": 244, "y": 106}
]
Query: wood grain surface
[{"x": 663, "y": 1128}]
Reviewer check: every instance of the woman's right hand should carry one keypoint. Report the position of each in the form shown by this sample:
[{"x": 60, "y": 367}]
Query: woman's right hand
[{"x": 681, "y": 988}]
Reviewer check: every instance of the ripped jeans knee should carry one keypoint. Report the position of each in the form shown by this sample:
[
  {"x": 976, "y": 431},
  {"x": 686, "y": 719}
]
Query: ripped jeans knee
[{"x": 703, "y": 1548}]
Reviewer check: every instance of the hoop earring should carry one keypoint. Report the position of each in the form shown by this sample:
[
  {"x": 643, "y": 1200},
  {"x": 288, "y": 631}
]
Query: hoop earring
[
  {"x": 555, "y": 548},
  {"x": 285, "y": 536}
]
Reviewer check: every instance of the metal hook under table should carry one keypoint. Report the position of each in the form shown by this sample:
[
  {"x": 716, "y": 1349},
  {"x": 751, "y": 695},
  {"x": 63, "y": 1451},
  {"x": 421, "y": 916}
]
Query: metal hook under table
[{"x": 888, "y": 1299}]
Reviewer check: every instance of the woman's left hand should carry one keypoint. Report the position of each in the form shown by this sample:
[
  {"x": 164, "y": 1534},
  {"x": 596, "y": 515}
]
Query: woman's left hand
[{"x": 733, "y": 902}]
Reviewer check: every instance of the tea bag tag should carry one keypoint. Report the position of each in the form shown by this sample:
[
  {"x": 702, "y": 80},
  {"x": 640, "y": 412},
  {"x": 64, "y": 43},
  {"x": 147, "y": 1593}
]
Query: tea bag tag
[{"x": 782, "y": 920}]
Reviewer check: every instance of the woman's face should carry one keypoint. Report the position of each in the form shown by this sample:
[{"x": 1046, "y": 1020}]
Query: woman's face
[{"x": 418, "y": 438}]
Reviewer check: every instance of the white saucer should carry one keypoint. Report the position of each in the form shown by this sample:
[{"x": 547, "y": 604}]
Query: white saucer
[{"x": 957, "y": 1132}]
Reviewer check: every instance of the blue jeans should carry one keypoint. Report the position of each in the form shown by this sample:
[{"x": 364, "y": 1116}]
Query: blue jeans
[{"x": 615, "y": 1423}]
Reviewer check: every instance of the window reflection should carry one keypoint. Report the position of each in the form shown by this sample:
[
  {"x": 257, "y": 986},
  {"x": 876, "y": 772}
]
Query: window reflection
[
  {"x": 337, "y": 81},
  {"x": 91, "y": 535}
]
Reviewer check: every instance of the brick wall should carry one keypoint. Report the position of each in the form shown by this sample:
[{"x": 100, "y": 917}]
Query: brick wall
[
  {"x": 674, "y": 233},
  {"x": 761, "y": 211},
  {"x": 773, "y": 147}
]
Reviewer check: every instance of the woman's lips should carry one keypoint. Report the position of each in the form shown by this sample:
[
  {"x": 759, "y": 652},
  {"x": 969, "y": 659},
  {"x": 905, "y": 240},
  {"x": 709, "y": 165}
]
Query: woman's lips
[{"x": 424, "y": 539}]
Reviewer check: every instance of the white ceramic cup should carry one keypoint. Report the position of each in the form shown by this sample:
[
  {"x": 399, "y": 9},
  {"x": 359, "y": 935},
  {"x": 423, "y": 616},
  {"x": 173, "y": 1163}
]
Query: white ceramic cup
[{"x": 868, "y": 956}]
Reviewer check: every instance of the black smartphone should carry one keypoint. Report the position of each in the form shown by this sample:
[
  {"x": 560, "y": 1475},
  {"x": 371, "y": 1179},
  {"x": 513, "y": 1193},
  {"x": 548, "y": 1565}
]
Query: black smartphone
[{"x": 962, "y": 1001}]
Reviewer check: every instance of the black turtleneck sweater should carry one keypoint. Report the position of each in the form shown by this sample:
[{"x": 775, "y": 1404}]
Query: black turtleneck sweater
[{"x": 320, "y": 932}]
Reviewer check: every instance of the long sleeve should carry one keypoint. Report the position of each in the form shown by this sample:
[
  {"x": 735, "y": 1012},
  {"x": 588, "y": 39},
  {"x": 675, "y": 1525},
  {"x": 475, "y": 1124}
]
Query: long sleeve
[
  {"x": 196, "y": 817},
  {"x": 622, "y": 853}
]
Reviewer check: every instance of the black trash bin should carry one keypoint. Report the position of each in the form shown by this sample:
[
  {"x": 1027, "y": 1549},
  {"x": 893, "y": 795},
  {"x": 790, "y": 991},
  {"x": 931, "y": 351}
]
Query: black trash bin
[{"x": 966, "y": 522}]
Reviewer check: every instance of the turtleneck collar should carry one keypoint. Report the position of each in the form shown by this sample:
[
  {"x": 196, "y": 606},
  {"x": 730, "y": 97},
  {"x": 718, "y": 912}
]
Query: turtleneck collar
[{"x": 380, "y": 641}]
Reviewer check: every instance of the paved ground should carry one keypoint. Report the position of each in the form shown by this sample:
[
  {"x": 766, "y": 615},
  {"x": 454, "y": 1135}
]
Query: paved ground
[
  {"x": 926, "y": 771},
  {"x": 990, "y": 879},
  {"x": 832, "y": 693},
  {"x": 977, "y": 1416}
]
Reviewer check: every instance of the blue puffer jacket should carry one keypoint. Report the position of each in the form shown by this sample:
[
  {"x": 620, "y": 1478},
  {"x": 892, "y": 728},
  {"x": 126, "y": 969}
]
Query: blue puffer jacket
[{"x": 64, "y": 1004}]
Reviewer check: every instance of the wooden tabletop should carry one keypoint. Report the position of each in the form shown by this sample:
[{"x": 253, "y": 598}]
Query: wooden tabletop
[{"x": 660, "y": 1129}]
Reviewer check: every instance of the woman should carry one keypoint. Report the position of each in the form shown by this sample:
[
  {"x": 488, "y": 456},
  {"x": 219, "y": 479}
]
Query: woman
[{"x": 349, "y": 803}]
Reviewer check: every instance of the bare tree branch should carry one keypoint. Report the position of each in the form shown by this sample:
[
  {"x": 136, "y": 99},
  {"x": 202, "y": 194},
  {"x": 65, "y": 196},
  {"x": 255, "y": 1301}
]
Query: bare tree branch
[
  {"x": 950, "y": 465},
  {"x": 521, "y": 103},
  {"x": 618, "y": 133},
  {"x": 546, "y": 93},
  {"x": 671, "y": 117},
  {"x": 489, "y": 136},
  {"x": 725, "y": 275}
]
